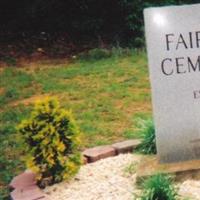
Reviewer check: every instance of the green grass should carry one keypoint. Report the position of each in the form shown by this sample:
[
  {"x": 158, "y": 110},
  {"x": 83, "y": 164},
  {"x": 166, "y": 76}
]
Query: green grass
[
  {"x": 16, "y": 84},
  {"x": 135, "y": 130},
  {"x": 106, "y": 96},
  {"x": 11, "y": 145},
  {"x": 147, "y": 132},
  {"x": 159, "y": 187}
]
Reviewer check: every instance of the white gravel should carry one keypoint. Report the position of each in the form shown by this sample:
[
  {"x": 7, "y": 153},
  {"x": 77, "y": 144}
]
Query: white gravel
[
  {"x": 108, "y": 179},
  {"x": 105, "y": 179},
  {"x": 190, "y": 189}
]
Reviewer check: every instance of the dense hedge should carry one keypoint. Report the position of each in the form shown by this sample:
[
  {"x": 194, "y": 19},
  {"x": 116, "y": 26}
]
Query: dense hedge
[{"x": 103, "y": 21}]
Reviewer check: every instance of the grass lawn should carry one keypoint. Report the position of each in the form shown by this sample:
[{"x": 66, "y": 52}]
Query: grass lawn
[{"x": 107, "y": 97}]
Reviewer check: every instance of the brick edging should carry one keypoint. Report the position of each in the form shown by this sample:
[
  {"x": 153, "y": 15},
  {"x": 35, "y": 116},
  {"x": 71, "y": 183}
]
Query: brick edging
[
  {"x": 94, "y": 154},
  {"x": 24, "y": 185}
]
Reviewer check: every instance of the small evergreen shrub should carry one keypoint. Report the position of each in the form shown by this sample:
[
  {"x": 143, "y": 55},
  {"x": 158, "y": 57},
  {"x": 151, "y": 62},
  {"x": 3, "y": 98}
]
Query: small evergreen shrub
[
  {"x": 52, "y": 139},
  {"x": 158, "y": 187},
  {"x": 147, "y": 131}
]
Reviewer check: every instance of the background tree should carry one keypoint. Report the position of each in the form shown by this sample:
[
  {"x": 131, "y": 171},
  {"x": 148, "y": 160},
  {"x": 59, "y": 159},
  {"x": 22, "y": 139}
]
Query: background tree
[{"x": 43, "y": 23}]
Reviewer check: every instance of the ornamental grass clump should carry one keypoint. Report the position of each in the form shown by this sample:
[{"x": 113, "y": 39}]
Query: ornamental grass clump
[
  {"x": 52, "y": 139},
  {"x": 147, "y": 132},
  {"x": 159, "y": 187}
]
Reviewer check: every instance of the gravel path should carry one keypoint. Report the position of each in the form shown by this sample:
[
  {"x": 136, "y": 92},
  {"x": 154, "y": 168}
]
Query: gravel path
[
  {"x": 107, "y": 179},
  {"x": 190, "y": 189},
  {"x": 110, "y": 179}
]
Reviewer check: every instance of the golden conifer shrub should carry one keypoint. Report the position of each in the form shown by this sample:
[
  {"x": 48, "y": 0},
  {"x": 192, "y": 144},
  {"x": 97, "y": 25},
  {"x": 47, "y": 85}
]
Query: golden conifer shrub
[{"x": 52, "y": 139}]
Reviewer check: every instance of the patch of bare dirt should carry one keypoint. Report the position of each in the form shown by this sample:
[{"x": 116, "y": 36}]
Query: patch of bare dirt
[
  {"x": 1, "y": 90},
  {"x": 133, "y": 107},
  {"x": 30, "y": 100}
]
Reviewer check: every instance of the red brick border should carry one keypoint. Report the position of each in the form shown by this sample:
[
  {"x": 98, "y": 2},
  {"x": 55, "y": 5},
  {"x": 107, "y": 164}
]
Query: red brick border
[
  {"x": 97, "y": 153},
  {"x": 25, "y": 187}
]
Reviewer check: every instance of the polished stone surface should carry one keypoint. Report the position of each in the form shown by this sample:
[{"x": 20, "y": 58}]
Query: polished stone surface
[{"x": 173, "y": 45}]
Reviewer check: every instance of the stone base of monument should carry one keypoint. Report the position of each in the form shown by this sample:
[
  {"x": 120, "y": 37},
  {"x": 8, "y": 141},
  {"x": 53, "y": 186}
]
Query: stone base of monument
[{"x": 182, "y": 170}]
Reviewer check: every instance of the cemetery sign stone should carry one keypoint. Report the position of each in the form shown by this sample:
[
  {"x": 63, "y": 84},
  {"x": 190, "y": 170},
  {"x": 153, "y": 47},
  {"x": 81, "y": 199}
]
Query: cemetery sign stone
[{"x": 173, "y": 46}]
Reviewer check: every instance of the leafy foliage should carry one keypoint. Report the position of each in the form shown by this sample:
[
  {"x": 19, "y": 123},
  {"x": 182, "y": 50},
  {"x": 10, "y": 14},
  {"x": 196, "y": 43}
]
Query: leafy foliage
[
  {"x": 90, "y": 89},
  {"x": 45, "y": 22},
  {"x": 147, "y": 131},
  {"x": 158, "y": 187},
  {"x": 102, "y": 53},
  {"x": 95, "y": 54},
  {"x": 52, "y": 139}
]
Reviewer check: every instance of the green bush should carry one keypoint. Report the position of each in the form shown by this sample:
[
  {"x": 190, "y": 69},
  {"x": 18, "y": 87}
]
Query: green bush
[
  {"x": 158, "y": 187},
  {"x": 95, "y": 54},
  {"x": 147, "y": 131},
  {"x": 52, "y": 139},
  {"x": 99, "y": 53},
  {"x": 119, "y": 51}
]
